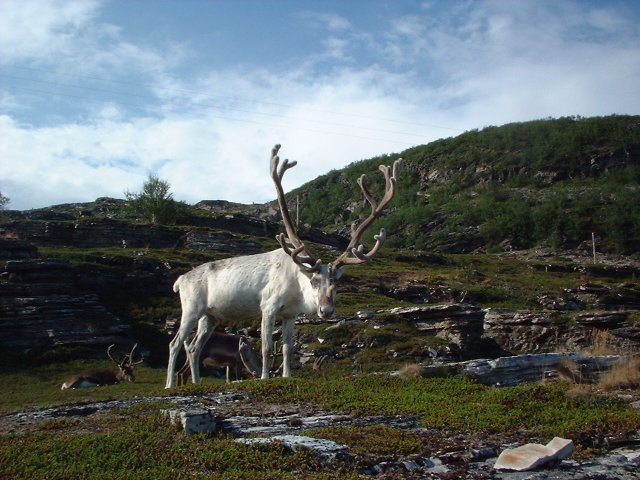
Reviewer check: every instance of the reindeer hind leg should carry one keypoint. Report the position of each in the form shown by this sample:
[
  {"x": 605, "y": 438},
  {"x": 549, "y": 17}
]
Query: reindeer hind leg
[
  {"x": 187, "y": 322},
  {"x": 206, "y": 325}
]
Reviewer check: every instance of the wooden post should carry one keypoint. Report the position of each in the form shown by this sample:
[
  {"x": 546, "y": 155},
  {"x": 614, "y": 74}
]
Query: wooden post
[{"x": 593, "y": 243}]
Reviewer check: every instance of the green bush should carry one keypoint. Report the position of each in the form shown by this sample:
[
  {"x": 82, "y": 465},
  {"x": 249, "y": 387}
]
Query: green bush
[{"x": 155, "y": 202}]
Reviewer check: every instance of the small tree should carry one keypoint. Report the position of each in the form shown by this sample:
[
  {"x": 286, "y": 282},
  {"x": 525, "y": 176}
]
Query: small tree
[
  {"x": 155, "y": 203},
  {"x": 4, "y": 201}
]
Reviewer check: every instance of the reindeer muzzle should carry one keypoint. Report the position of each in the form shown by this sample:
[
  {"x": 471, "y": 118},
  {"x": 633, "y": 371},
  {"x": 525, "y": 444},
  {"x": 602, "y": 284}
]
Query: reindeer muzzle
[{"x": 326, "y": 309}]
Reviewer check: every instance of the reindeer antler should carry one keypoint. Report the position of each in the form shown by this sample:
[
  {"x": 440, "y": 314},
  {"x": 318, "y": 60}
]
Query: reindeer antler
[
  {"x": 127, "y": 359},
  {"x": 354, "y": 253},
  {"x": 109, "y": 354},
  {"x": 130, "y": 356},
  {"x": 306, "y": 261}
]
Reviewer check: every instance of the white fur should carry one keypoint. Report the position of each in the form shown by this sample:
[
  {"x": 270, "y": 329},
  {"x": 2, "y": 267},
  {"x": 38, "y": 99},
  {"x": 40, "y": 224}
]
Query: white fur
[{"x": 265, "y": 287}]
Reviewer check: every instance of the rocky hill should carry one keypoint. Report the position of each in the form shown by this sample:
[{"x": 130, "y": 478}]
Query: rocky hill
[
  {"x": 520, "y": 185},
  {"x": 75, "y": 278}
]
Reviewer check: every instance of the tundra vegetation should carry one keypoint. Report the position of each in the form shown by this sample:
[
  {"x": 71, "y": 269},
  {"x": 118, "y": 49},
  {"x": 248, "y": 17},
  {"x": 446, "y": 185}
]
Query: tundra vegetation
[{"x": 433, "y": 222}]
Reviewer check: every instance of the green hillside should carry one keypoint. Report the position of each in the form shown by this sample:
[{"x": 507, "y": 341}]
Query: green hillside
[{"x": 551, "y": 181}]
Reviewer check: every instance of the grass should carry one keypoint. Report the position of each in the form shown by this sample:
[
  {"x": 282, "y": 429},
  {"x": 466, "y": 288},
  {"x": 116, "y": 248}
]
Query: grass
[
  {"x": 625, "y": 374},
  {"x": 147, "y": 447},
  {"x": 458, "y": 403},
  {"x": 141, "y": 444},
  {"x": 378, "y": 439},
  {"x": 24, "y": 388}
]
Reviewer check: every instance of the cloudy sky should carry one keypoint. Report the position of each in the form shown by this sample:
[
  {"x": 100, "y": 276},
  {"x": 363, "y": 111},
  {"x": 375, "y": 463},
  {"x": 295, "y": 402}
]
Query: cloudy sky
[{"x": 96, "y": 95}]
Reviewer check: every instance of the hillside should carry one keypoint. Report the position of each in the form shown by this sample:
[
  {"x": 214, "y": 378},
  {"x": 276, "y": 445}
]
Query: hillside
[
  {"x": 548, "y": 182},
  {"x": 78, "y": 277}
]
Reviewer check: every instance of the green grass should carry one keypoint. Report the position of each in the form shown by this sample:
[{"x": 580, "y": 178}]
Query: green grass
[
  {"x": 40, "y": 386},
  {"x": 139, "y": 443},
  {"x": 147, "y": 447},
  {"x": 460, "y": 404}
]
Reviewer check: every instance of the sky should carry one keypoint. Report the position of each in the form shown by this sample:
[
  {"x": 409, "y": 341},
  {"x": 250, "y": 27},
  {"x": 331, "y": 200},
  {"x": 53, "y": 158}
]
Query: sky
[{"x": 97, "y": 95}]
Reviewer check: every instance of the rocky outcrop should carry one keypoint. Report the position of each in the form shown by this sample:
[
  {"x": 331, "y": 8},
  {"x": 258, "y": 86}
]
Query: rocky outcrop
[
  {"x": 506, "y": 371},
  {"x": 327, "y": 451},
  {"x": 459, "y": 324},
  {"x": 95, "y": 234},
  {"x": 41, "y": 308},
  {"x": 220, "y": 241},
  {"x": 16, "y": 250},
  {"x": 547, "y": 331}
]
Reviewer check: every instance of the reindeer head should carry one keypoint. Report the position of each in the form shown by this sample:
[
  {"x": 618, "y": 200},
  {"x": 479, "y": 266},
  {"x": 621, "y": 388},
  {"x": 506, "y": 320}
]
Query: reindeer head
[
  {"x": 324, "y": 276},
  {"x": 125, "y": 365}
]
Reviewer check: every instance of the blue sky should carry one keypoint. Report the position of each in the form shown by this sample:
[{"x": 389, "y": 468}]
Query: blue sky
[{"x": 96, "y": 95}]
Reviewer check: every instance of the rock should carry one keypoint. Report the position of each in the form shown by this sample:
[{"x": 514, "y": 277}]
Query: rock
[
  {"x": 534, "y": 455},
  {"x": 506, "y": 371},
  {"x": 601, "y": 319},
  {"x": 460, "y": 324},
  {"x": 221, "y": 241},
  {"x": 193, "y": 421},
  {"x": 95, "y": 233},
  {"x": 41, "y": 307},
  {"x": 16, "y": 250},
  {"x": 516, "y": 369},
  {"x": 327, "y": 450},
  {"x": 420, "y": 293},
  {"x": 540, "y": 332}
]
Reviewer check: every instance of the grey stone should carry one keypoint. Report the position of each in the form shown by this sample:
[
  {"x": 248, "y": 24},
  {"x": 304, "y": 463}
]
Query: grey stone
[
  {"x": 516, "y": 369},
  {"x": 193, "y": 421},
  {"x": 327, "y": 450}
]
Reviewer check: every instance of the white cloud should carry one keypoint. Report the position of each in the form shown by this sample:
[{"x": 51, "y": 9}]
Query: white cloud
[
  {"x": 39, "y": 29},
  {"x": 458, "y": 66}
]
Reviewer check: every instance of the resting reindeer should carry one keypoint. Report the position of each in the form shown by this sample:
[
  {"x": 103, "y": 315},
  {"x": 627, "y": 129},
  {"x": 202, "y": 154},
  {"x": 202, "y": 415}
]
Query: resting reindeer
[
  {"x": 95, "y": 378},
  {"x": 280, "y": 284},
  {"x": 226, "y": 350}
]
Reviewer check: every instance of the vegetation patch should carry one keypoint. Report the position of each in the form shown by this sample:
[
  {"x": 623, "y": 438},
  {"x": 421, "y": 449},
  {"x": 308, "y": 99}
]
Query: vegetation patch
[
  {"x": 376, "y": 439},
  {"x": 148, "y": 447},
  {"x": 460, "y": 404}
]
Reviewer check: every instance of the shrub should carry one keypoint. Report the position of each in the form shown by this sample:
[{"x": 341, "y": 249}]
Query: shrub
[{"x": 155, "y": 202}]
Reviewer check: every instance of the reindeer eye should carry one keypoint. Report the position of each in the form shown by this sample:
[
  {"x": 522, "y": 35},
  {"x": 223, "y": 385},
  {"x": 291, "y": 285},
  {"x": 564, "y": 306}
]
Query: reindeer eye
[{"x": 315, "y": 281}]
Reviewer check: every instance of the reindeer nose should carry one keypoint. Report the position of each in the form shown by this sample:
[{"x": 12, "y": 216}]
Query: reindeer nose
[{"x": 326, "y": 310}]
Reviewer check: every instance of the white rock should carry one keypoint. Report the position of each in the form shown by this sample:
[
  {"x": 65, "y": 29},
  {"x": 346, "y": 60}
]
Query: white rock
[
  {"x": 193, "y": 421},
  {"x": 533, "y": 455},
  {"x": 562, "y": 447}
]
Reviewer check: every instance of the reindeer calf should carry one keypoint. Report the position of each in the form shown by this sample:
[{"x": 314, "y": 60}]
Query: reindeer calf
[{"x": 225, "y": 350}]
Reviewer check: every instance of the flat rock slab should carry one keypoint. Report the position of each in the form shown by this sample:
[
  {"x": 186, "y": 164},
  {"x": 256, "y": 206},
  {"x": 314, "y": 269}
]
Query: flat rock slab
[
  {"x": 534, "y": 455},
  {"x": 327, "y": 450}
]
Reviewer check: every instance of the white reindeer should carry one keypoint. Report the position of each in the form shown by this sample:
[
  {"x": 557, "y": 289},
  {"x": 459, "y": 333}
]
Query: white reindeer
[
  {"x": 276, "y": 285},
  {"x": 95, "y": 378},
  {"x": 226, "y": 350}
]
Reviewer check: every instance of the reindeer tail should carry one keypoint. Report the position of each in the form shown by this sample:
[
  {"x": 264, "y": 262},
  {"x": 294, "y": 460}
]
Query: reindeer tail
[{"x": 176, "y": 285}]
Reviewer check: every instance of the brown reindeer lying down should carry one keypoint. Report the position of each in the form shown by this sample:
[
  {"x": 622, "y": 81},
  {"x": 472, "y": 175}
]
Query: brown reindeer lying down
[{"x": 95, "y": 378}]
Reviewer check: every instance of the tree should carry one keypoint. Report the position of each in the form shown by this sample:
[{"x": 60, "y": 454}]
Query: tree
[
  {"x": 4, "y": 201},
  {"x": 155, "y": 203}
]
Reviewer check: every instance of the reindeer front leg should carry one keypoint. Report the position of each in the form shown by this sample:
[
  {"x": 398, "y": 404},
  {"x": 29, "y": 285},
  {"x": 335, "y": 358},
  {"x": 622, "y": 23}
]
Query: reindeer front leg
[
  {"x": 287, "y": 346},
  {"x": 267, "y": 343}
]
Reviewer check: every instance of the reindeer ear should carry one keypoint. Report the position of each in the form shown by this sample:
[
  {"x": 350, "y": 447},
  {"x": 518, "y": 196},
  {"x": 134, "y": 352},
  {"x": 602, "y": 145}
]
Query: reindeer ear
[{"x": 339, "y": 272}]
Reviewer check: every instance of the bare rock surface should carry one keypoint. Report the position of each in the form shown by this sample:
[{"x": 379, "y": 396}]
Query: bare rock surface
[{"x": 531, "y": 367}]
